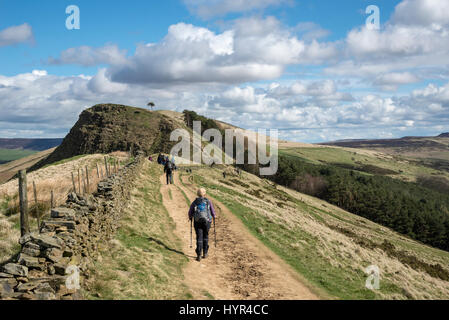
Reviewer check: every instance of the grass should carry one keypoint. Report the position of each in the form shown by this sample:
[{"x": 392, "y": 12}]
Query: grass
[
  {"x": 309, "y": 234},
  {"x": 7, "y": 155},
  {"x": 394, "y": 166},
  {"x": 65, "y": 161},
  {"x": 144, "y": 261}
]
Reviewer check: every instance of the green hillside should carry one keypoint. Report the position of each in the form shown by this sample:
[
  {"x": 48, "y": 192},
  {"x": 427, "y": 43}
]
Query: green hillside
[
  {"x": 7, "y": 155},
  {"x": 328, "y": 246}
]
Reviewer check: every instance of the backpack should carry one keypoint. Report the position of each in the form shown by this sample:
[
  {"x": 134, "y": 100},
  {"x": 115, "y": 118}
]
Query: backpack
[
  {"x": 169, "y": 167},
  {"x": 202, "y": 211}
]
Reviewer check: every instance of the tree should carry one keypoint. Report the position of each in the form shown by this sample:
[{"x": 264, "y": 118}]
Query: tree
[{"x": 151, "y": 105}]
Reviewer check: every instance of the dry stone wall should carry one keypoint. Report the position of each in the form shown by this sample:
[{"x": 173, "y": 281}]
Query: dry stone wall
[{"x": 49, "y": 262}]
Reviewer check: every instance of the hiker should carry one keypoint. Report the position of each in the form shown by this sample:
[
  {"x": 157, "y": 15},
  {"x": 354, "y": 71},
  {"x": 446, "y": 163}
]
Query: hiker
[
  {"x": 168, "y": 170},
  {"x": 159, "y": 158},
  {"x": 202, "y": 212},
  {"x": 224, "y": 174}
]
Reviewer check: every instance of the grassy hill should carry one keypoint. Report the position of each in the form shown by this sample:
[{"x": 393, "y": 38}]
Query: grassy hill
[
  {"x": 7, "y": 155},
  {"x": 328, "y": 246},
  {"x": 106, "y": 128},
  {"x": 10, "y": 169},
  {"x": 432, "y": 152}
]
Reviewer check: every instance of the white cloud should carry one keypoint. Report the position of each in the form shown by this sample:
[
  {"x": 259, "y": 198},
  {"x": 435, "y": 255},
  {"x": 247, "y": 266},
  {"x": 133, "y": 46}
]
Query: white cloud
[
  {"x": 16, "y": 34},
  {"x": 88, "y": 56},
  {"x": 41, "y": 104},
  {"x": 422, "y": 12},
  {"x": 252, "y": 49}
]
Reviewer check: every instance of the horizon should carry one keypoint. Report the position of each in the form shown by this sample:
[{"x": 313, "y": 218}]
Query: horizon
[{"x": 317, "y": 72}]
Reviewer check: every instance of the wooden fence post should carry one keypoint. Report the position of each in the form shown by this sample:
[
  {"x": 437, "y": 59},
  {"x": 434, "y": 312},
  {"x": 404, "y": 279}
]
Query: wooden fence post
[
  {"x": 79, "y": 181},
  {"x": 36, "y": 208},
  {"x": 84, "y": 183},
  {"x": 115, "y": 165},
  {"x": 73, "y": 183},
  {"x": 98, "y": 172},
  {"x": 24, "y": 225},
  {"x": 87, "y": 178},
  {"x": 106, "y": 166},
  {"x": 52, "y": 200},
  {"x": 102, "y": 174}
]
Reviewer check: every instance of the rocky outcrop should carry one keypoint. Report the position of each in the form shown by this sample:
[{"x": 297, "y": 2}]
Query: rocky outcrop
[
  {"x": 49, "y": 262},
  {"x": 105, "y": 128}
]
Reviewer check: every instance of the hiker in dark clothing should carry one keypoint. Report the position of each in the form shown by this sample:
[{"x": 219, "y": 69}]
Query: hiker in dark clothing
[
  {"x": 168, "y": 169},
  {"x": 202, "y": 212}
]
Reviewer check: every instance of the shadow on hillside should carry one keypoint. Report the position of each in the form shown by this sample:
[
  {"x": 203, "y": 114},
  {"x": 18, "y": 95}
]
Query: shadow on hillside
[{"x": 159, "y": 242}]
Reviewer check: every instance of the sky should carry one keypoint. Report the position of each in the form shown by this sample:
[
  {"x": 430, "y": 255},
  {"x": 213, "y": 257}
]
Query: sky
[{"x": 315, "y": 70}]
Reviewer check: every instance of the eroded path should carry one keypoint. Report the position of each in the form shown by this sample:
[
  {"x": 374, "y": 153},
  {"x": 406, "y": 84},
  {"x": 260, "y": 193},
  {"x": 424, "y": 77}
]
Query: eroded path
[{"x": 240, "y": 266}]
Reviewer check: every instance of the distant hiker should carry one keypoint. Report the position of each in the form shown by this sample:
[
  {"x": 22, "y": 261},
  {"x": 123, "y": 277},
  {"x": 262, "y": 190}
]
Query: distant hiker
[
  {"x": 201, "y": 213},
  {"x": 151, "y": 159},
  {"x": 168, "y": 169},
  {"x": 239, "y": 172},
  {"x": 159, "y": 158},
  {"x": 224, "y": 174}
]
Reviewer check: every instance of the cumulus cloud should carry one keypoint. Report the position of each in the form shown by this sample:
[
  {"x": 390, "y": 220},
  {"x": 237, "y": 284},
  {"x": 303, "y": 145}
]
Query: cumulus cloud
[
  {"x": 253, "y": 49},
  {"x": 16, "y": 34},
  {"x": 41, "y": 104},
  {"x": 415, "y": 40},
  {"x": 211, "y": 8},
  {"x": 422, "y": 12},
  {"x": 88, "y": 56}
]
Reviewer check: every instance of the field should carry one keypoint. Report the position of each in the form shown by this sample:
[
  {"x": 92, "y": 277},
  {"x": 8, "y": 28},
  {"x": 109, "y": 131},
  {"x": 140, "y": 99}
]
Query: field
[
  {"x": 368, "y": 161},
  {"x": 7, "y": 155}
]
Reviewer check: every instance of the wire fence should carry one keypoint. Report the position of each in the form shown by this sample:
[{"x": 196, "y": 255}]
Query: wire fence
[{"x": 42, "y": 196}]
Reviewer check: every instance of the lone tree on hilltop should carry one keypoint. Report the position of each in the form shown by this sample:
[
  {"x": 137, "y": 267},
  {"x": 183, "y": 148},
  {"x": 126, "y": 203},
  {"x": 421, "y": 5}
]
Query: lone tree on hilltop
[{"x": 151, "y": 105}]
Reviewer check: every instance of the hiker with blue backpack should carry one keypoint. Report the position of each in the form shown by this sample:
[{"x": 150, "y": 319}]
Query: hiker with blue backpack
[{"x": 201, "y": 214}]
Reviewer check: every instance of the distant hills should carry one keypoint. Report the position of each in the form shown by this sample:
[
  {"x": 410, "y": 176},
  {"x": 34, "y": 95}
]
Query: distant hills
[
  {"x": 15, "y": 149},
  {"x": 29, "y": 144},
  {"x": 412, "y": 147}
]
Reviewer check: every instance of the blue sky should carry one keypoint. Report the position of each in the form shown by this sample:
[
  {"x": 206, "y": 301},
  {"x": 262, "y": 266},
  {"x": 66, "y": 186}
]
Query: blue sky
[{"x": 308, "y": 68}]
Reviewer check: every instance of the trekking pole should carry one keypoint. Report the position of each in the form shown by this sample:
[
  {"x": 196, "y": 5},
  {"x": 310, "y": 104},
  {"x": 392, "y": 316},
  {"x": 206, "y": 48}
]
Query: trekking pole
[
  {"x": 215, "y": 234},
  {"x": 191, "y": 241}
]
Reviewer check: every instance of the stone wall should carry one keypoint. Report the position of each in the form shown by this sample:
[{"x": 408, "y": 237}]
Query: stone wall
[{"x": 49, "y": 261}]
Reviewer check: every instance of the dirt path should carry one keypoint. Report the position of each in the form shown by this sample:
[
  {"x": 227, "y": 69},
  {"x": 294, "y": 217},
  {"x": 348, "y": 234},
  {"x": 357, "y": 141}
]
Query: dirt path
[{"x": 240, "y": 267}]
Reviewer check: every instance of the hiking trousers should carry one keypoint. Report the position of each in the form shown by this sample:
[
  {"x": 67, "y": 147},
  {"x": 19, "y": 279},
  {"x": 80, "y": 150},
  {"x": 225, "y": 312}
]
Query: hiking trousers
[
  {"x": 202, "y": 237},
  {"x": 170, "y": 177}
]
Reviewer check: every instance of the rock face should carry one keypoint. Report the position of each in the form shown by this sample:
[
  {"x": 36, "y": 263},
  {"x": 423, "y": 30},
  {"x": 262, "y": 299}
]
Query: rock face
[
  {"x": 67, "y": 245},
  {"x": 105, "y": 128}
]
